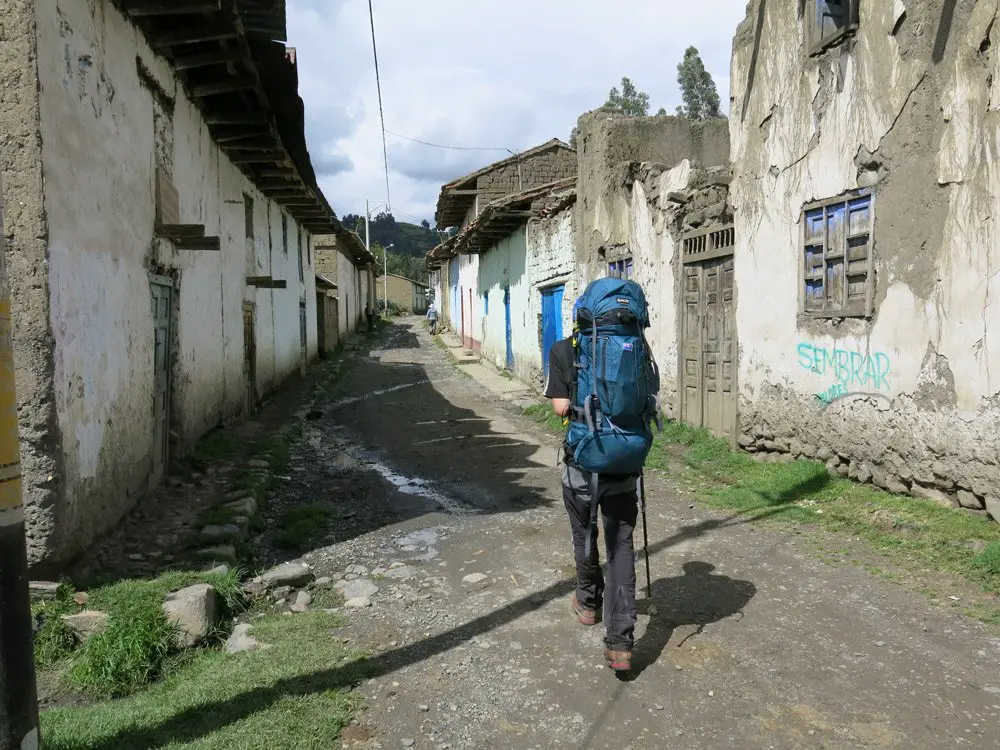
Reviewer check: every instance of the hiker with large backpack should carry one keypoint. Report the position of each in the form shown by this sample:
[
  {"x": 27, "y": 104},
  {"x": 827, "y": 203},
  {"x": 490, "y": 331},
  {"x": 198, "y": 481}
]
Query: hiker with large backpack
[{"x": 604, "y": 383}]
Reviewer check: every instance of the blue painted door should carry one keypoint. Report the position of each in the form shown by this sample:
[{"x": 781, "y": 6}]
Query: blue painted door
[
  {"x": 508, "y": 332},
  {"x": 552, "y": 300}
]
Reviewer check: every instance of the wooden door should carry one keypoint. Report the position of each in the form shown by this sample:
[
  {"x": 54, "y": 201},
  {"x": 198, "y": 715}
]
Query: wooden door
[
  {"x": 552, "y": 299},
  {"x": 162, "y": 307},
  {"x": 691, "y": 329},
  {"x": 708, "y": 337},
  {"x": 249, "y": 359}
]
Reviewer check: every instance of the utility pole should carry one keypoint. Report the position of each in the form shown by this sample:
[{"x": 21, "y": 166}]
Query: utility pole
[
  {"x": 385, "y": 259},
  {"x": 18, "y": 697},
  {"x": 385, "y": 277}
]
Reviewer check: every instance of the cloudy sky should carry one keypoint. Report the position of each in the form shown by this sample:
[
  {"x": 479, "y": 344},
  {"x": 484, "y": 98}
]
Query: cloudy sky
[{"x": 499, "y": 74}]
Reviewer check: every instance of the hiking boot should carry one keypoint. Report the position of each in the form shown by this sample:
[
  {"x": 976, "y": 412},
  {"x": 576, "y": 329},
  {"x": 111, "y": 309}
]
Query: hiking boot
[
  {"x": 586, "y": 616},
  {"x": 620, "y": 661}
]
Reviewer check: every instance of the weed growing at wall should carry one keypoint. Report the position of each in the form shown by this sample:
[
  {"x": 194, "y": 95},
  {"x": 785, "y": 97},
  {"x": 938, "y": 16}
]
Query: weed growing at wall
[
  {"x": 54, "y": 640},
  {"x": 292, "y": 695},
  {"x": 137, "y": 646}
]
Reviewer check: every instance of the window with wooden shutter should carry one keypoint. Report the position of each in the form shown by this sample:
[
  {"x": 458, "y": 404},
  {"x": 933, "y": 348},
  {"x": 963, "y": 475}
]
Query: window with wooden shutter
[
  {"x": 837, "y": 268},
  {"x": 830, "y": 22}
]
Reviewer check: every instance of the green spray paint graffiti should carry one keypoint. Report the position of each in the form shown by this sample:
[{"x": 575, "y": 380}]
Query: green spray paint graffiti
[{"x": 854, "y": 372}]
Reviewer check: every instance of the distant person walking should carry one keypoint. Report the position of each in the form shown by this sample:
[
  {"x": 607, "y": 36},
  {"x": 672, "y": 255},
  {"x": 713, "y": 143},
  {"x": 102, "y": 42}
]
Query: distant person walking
[
  {"x": 370, "y": 314},
  {"x": 432, "y": 316}
]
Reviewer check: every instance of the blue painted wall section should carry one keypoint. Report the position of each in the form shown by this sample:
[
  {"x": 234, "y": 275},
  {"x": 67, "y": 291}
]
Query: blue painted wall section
[{"x": 854, "y": 372}]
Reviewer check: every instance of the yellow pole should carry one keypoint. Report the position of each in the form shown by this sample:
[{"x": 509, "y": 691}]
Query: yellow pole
[{"x": 18, "y": 701}]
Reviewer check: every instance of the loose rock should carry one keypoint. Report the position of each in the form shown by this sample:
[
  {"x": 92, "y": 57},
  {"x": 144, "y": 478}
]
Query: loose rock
[
  {"x": 359, "y": 588},
  {"x": 993, "y": 507},
  {"x": 289, "y": 574},
  {"x": 932, "y": 494},
  {"x": 43, "y": 590},
  {"x": 86, "y": 624},
  {"x": 223, "y": 553},
  {"x": 474, "y": 578},
  {"x": 241, "y": 640},
  {"x": 302, "y": 601},
  {"x": 245, "y": 506},
  {"x": 226, "y": 531},
  {"x": 193, "y": 610},
  {"x": 968, "y": 500}
]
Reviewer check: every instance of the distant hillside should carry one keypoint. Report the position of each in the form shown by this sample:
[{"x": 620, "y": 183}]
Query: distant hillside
[{"x": 413, "y": 240}]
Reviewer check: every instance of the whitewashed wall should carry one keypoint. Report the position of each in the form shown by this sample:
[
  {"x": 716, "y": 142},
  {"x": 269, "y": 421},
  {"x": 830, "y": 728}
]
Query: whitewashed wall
[
  {"x": 500, "y": 267},
  {"x": 892, "y": 111},
  {"x": 99, "y": 146}
]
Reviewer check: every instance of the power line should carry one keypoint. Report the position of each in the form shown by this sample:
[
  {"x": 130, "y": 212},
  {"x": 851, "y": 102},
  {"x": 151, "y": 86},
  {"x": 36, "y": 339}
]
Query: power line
[
  {"x": 381, "y": 113},
  {"x": 452, "y": 148}
]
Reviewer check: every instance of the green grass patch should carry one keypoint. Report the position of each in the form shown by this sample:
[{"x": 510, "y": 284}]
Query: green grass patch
[
  {"x": 543, "y": 415},
  {"x": 913, "y": 534},
  {"x": 293, "y": 695},
  {"x": 299, "y": 528},
  {"x": 137, "y": 646},
  {"x": 218, "y": 445},
  {"x": 54, "y": 641},
  {"x": 989, "y": 559}
]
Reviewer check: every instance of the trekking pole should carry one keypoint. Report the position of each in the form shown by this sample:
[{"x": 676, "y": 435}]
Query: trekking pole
[{"x": 645, "y": 532}]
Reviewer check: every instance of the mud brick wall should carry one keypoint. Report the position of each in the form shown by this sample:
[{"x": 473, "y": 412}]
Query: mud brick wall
[{"x": 533, "y": 171}]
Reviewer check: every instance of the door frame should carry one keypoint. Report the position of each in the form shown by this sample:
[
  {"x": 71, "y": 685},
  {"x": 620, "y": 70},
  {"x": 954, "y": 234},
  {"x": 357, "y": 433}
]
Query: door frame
[
  {"x": 251, "y": 376},
  {"x": 549, "y": 290},
  {"x": 717, "y": 243},
  {"x": 165, "y": 281}
]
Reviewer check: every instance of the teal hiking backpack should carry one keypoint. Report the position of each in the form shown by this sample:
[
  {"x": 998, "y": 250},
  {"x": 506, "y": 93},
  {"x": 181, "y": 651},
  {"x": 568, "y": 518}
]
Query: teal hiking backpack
[{"x": 616, "y": 398}]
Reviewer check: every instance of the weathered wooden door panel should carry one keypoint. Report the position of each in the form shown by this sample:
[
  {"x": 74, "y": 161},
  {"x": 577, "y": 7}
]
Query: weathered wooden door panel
[
  {"x": 249, "y": 359},
  {"x": 162, "y": 306},
  {"x": 708, "y": 335},
  {"x": 691, "y": 346}
]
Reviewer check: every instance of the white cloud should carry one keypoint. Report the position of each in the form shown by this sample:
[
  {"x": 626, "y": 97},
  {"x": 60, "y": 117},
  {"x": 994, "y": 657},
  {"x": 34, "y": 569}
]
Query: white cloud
[{"x": 504, "y": 74}]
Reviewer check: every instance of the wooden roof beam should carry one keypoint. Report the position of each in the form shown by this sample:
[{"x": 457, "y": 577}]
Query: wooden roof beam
[
  {"x": 235, "y": 118},
  {"x": 225, "y": 86},
  {"x": 145, "y": 8},
  {"x": 241, "y": 135},
  {"x": 258, "y": 157},
  {"x": 202, "y": 32},
  {"x": 205, "y": 59}
]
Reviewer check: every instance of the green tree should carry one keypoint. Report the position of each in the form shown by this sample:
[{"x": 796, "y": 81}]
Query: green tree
[
  {"x": 629, "y": 101},
  {"x": 698, "y": 92}
]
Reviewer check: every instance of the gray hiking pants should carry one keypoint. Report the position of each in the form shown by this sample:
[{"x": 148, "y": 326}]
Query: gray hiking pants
[{"x": 619, "y": 508}]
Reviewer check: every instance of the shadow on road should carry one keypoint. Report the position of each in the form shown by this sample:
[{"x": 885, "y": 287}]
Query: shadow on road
[{"x": 700, "y": 596}]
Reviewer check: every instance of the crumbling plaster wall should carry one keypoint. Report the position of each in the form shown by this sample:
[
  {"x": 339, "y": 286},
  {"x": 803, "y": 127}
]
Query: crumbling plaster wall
[
  {"x": 630, "y": 172},
  {"x": 551, "y": 261},
  {"x": 26, "y": 229},
  {"x": 110, "y": 114},
  {"x": 908, "y": 106}
]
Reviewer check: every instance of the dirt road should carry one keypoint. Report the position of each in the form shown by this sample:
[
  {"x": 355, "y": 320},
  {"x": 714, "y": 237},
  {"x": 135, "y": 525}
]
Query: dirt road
[{"x": 448, "y": 506}]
